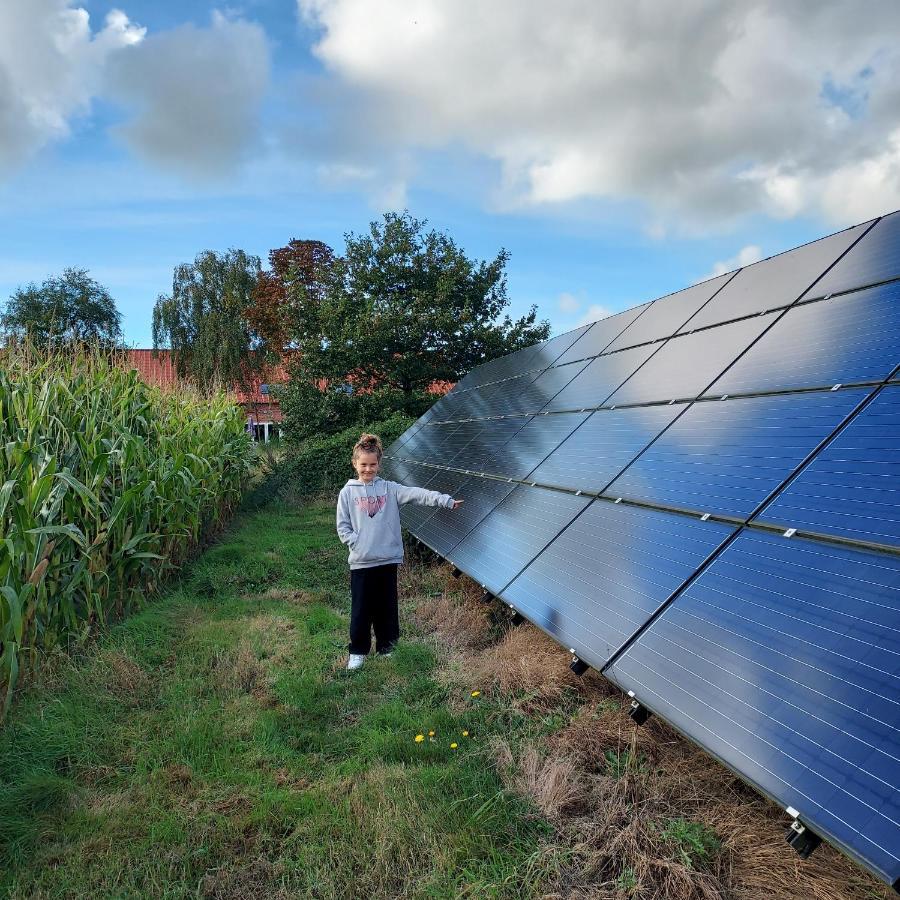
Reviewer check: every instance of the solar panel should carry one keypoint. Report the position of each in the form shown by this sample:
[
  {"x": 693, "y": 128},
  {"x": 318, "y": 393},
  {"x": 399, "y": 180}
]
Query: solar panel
[
  {"x": 598, "y": 582},
  {"x": 699, "y": 497},
  {"x": 845, "y": 340},
  {"x": 852, "y": 488},
  {"x": 775, "y": 282},
  {"x": 875, "y": 258},
  {"x": 502, "y": 544},
  {"x": 783, "y": 660},
  {"x": 726, "y": 457}
]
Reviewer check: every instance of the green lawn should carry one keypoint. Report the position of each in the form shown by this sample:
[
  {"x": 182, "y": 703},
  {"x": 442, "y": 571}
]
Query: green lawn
[{"x": 213, "y": 746}]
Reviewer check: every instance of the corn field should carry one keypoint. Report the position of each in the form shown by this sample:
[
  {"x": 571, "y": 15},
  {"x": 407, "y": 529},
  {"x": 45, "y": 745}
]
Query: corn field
[{"x": 105, "y": 485}]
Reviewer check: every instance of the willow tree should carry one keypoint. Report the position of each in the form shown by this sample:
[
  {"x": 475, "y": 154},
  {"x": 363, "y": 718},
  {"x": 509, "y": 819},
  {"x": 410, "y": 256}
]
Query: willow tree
[{"x": 204, "y": 320}]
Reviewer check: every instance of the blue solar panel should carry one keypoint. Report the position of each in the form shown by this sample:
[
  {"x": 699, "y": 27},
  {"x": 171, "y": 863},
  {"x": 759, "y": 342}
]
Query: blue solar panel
[
  {"x": 875, "y": 258},
  {"x": 603, "y": 446},
  {"x": 783, "y": 659},
  {"x": 479, "y": 443},
  {"x": 601, "y": 334},
  {"x": 852, "y": 488},
  {"x": 845, "y": 340},
  {"x": 774, "y": 282},
  {"x": 608, "y": 572},
  {"x": 513, "y": 534},
  {"x": 687, "y": 364},
  {"x": 727, "y": 456}
]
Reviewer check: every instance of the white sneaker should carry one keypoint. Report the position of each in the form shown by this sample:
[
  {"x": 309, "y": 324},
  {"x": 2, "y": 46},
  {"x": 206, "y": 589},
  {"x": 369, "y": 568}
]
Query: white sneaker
[{"x": 356, "y": 660}]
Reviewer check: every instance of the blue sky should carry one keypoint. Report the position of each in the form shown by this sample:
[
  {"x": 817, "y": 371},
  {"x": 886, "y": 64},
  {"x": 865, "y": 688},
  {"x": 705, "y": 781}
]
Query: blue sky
[{"x": 617, "y": 155}]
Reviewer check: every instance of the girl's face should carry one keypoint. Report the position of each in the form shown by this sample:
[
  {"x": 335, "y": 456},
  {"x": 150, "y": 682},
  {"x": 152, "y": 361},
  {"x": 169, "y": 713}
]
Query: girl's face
[{"x": 366, "y": 465}]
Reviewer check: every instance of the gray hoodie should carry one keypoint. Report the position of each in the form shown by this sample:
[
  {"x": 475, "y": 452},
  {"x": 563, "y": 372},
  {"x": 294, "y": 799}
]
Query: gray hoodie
[{"x": 368, "y": 518}]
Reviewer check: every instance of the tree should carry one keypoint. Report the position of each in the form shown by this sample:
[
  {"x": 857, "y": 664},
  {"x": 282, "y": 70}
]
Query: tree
[
  {"x": 297, "y": 274},
  {"x": 404, "y": 308},
  {"x": 70, "y": 309},
  {"x": 204, "y": 320}
]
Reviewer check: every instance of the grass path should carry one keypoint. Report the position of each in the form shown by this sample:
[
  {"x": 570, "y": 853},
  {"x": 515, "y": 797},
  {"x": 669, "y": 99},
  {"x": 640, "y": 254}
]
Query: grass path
[{"x": 211, "y": 746}]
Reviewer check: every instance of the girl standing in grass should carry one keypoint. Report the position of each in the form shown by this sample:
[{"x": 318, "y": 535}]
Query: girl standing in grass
[{"x": 368, "y": 522}]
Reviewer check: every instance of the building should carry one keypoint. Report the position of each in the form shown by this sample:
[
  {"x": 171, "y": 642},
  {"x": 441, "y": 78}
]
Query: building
[{"x": 262, "y": 409}]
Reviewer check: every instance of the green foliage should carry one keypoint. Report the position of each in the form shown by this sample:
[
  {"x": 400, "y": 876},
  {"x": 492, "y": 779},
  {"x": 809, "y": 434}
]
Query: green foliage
[
  {"x": 71, "y": 309},
  {"x": 623, "y": 762},
  {"x": 322, "y": 464},
  {"x": 105, "y": 484},
  {"x": 204, "y": 321},
  {"x": 404, "y": 308},
  {"x": 627, "y": 882},
  {"x": 693, "y": 843}
]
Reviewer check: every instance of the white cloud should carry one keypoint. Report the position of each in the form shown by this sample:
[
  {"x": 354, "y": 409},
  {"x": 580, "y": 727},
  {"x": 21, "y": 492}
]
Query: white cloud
[
  {"x": 744, "y": 257},
  {"x": 51, "y": 63},
  {"x": 595, "y": 312},
  {"x": 704, "y": 110},
  {"x": 196, "y": 94},
  {"x": 568, "y": 303}
]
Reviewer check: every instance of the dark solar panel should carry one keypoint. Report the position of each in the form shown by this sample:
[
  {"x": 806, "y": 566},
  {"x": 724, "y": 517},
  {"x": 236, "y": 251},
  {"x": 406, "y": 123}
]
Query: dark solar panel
[
  {"x": 445, "y": 528},
  {"x": 603, "y": 446},
  {"x": 852, "y": 488},
  {"x": 513, "y": 534},
  {"x": 481, "y": 443},
  {"x": 847, "y": 339},
  {"x": 783, "y": 659},
  {"x": 687, "y": 364},
  {"x": 876, "y": 257},
  {"x": 606, "y": 574},
  {"x": 413, "y": 515},
  {"x": 776, "y": 281},
  {"x": 600, "y": 378},
  {"x": 666, "y": 315},
  {"x": 601, "y": 334},
  {"x": 430, "y": 443},
  {"x": 727, "y": 456}
]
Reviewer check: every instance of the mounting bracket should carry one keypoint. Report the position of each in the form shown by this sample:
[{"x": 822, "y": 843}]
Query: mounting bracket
[
  {"x": 802, "y": 838},
  {"x": 638, "y": 713},
  {"x": 578, "y": 666}
]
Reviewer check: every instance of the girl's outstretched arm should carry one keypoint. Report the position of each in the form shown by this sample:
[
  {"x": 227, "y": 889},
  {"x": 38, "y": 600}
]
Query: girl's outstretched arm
[{"x": 424, "y": 497}]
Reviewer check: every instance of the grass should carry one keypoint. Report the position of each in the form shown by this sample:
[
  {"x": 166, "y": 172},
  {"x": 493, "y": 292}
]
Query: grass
[{"x": 214, "y": 746}]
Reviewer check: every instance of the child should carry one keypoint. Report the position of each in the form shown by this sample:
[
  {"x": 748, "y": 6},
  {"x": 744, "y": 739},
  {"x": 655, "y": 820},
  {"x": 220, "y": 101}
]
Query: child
[{"x": 368, "y": 522}]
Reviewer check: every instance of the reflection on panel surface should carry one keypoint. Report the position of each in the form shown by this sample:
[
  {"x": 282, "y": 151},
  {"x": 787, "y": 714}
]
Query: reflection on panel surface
[
  {"x": 606, "y": 574},
  {"x": 445, "y": 528},
  {"x": 666, "y": 315},
  {"x": 774, "y": 282},
  {"x": 875, "y": 257},
  {"x": 727, "y": 456},
  {"x": 783, "y": 659},
  {"x": 601, "y": 334},
  {"x": 847, "y": 339},
  {"x": 540, "y": 437},
  {"x": 687, "y": 364},
  {"x": 512, "y": 535},
  {"x": 604, "y": 445},
  {"x": 852, "y": 488},
  {"x": 480, "y": 445}
]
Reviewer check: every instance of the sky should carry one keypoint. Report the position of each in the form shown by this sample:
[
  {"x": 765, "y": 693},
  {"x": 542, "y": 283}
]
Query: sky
[{"x": 618, "y": 151}]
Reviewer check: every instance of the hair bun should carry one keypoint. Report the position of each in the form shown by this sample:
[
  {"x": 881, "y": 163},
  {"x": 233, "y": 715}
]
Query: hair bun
[{"x": 368, "y": 443}]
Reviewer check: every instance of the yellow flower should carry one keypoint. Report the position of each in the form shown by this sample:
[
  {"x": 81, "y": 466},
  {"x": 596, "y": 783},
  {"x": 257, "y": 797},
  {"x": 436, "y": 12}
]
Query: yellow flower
[
  {"x": 465, "y": 734},
  {"x": 476, "y": 693},
  {"x": 420, "y": 738},
  {"x": 453, "y": 746},
  {"x": 430, "y": 734}
]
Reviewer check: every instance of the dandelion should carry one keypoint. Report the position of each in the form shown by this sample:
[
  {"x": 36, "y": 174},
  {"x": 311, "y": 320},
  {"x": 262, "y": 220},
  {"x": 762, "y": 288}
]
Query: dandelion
[
  {"x": 465, "y": 734},
  {"x": 453, "y": 746},
  {"x": 476, "y": 693},
  {"x": 430, "y": 734},
  {"x": 420, "y": 738}
]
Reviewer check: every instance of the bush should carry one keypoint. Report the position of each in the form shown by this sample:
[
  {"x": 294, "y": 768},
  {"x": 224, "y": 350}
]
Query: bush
[{"x": 322, "y": 464}]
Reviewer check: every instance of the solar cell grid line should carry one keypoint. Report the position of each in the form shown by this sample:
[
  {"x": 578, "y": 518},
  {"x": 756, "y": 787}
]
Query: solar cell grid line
[
  {"x": 686, "y": 365},
  {"x": 444, "y": 529},
  {"x": 498, "y": 398},
  {"x": 728, "y": 457},
  {"x": 600, "y": 378},
  {"x": 548, "y": 384},
  {"x": 603, "y": 446},
  {"x": 873, "y": 259},
  {"x": 428, "y": 444},
  {"x": 775, "y": 282},
  {"x": 601, "y": 334},
  {"x": 783, "y": 660},
  {"x": 505, "y": 541},
  {"x": 482, "y": 443},
  {"x": 811, "y": 345},
  {"x": 413, "y": 515},
  {"x": 667, "y": 314},
  {"x": 851, "y": 488},
  {"x": 597, "y": 582}
]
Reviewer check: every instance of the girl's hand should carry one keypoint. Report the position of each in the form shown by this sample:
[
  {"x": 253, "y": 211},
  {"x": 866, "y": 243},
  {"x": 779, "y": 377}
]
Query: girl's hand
[{"x": 457, "y": 504}]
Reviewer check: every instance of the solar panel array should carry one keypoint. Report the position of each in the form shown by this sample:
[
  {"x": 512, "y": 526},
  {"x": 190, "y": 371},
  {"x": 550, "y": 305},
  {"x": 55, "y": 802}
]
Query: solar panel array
[{"x": 699, "y": 497}]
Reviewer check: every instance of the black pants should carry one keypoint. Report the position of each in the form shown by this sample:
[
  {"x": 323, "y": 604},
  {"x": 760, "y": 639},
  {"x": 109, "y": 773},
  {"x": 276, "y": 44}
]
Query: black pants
[{"x": 373, "y": 595}]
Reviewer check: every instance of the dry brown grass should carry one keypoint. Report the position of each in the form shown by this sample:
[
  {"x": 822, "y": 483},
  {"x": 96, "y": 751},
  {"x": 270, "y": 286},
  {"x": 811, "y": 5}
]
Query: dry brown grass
[{"x": 125, "y": 679}]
